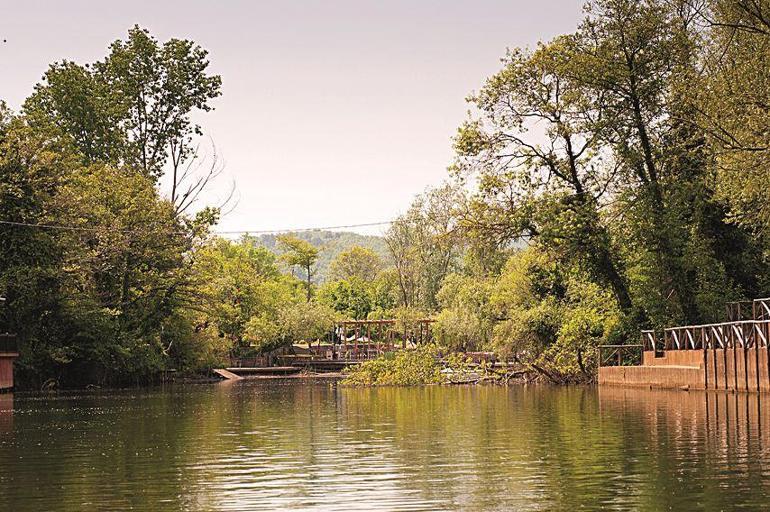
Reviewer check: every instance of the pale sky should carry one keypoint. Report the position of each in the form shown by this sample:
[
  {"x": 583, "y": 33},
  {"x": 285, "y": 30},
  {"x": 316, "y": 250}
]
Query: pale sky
[{"x": 333, "y": 112}]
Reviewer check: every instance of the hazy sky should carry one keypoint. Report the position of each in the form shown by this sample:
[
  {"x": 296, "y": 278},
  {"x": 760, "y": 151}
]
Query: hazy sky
[{"x": 333, "y": 112}]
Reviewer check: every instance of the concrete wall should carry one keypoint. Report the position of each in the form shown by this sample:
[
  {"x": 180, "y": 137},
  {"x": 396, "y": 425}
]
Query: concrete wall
[
  {"x": 732, "y": 369},
  {"x": 6, "y": 371},
  {"x": 656, "y": 377},
  {"x": 674, "y": 358}
]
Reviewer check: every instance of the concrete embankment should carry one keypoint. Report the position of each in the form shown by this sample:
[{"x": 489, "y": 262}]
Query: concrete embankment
[{"x": 731, "y": 369}]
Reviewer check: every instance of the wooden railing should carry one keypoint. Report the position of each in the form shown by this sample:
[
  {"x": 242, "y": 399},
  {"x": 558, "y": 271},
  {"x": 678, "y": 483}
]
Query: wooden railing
[
  {"x": 746, "y": 334},
  {"x": 620, "y": 355},
  {"x": 650, "y": 341},
  {"x": 747, "y": 325},
  {"x": 8, "y": 344},
  {"x": 762, "y": 309}
]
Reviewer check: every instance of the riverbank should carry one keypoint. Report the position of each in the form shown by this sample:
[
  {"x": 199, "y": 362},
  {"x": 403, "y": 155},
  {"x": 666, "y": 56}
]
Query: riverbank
[{"x": 426, "y": 365}]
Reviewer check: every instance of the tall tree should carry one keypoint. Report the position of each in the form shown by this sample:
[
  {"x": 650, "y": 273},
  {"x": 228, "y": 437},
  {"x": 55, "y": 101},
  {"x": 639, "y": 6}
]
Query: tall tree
[
  {"x": 735, "y": 105},
  {"x": 424, "y": 246},
  {"x": 134, "y": 107},
  {"x": 302, "y": 254},
  {"x": 626, "y": 53},
  {"x": 539, "y": 162}
]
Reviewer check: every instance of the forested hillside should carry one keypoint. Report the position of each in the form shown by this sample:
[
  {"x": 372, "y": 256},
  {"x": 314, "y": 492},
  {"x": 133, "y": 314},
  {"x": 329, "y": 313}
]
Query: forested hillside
[{"x": 330, "y": 244}]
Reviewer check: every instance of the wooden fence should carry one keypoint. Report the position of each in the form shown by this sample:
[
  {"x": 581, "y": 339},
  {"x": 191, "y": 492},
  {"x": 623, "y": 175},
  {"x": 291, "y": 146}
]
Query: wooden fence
[{"x": 738, "y": 331}]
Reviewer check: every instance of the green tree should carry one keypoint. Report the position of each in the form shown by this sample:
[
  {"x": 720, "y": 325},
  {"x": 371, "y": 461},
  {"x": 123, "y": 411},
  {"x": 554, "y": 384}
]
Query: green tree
[
  {"x": 734, "y": 106},
  {"x": 359, "y": 262},
  {"x": 307, "y": 321},
  {"x": 352, "y": 297},
  {"x": 539, "y": 163},
  {"x": 243, "y": 293},
  {"x": 466, "y": 320},
  {"x": 552, "y": 316},
  {"x": 628, "y": 56},
  {"x": 299, "y": 253},
  {"x": 134, "y": 107},
  {"x": 424, "y": 247}
]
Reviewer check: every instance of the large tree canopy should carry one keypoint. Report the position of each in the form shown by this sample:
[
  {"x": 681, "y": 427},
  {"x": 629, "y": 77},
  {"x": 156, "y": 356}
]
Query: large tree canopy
[{"x": 134, "y": 107}]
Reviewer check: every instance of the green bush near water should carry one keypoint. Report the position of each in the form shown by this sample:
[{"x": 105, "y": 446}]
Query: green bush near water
[{"x": 404, "y": 368}]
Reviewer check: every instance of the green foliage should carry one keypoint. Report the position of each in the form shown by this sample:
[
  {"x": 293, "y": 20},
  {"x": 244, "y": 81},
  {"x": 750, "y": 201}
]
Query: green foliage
[
  {"x": 466, "y": 319},
  {"x": 250, "y": 303},
  {"x": 627, "y": 162},
  {"x": 732, "y": 100},
  {"x": 355, "y": 298},
  {"x": 245, "y": 294},
  {"x": 596, "y": 146},
  {"x": 554, "y": 317},
  {"x": 132, "y": 108},
  {"x": 424, "y": 247},
  {"x": 306, "y": 322},
  {"x": 357, "y": 262},
  {"x": 88, "y": 304},
  {"x": 414, "y": 367},
  {"x": 299, "y": 253},
  {"x": 330, "y": 245},
  {"x": 263, "y": 334}
]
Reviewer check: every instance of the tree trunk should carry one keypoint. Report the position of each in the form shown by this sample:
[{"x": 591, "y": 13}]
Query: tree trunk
[{"x": 660, "y": 234}]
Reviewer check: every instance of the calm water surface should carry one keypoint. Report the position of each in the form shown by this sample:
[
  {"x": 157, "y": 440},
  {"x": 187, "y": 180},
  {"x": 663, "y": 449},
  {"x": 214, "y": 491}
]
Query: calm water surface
[{"x": 277, "y": 445}]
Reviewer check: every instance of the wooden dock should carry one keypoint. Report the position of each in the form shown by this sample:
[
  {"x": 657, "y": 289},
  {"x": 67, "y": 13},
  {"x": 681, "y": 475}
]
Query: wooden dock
[
  {"x": 262, "y": 370},
  {"x": 226, "y": 374}
]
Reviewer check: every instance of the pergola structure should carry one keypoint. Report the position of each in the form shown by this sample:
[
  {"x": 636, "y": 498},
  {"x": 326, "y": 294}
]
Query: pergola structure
[{"x": 365, "y": 339}]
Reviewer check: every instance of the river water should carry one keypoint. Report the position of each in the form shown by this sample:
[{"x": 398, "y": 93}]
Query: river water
[{"x": 312, "y": 445}]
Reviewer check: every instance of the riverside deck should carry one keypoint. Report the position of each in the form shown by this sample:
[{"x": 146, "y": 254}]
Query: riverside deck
[
  {"x": 730, "y": 356},
  {"x": 351, "y": 342}
]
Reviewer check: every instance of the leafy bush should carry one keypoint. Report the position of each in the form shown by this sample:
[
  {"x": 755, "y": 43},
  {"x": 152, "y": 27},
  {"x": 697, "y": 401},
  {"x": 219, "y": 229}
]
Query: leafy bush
[{"x": 404, "y": 368}]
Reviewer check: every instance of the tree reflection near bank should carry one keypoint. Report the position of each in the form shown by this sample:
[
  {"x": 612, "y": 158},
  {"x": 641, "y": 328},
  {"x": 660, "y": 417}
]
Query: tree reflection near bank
[{"x": 315, "y": 445}]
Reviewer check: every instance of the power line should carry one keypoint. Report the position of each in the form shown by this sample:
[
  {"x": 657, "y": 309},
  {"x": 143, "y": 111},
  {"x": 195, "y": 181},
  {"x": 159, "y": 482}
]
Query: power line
[
  {"x": 298, "y": 230},
  {"x": 60, "y": 227},
  {"x": 238, "y": 232}
]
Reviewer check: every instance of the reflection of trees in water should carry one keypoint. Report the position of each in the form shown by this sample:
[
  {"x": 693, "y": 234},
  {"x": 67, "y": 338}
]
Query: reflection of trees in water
[
  {"x": 484, "y": 446},
  {"x": 706, "y": 448},
  {"x": 6, "y": 413},
  {"x": 293, "y": 444}
]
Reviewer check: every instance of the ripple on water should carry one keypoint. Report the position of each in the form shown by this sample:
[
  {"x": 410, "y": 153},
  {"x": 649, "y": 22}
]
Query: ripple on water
[{"x": 278, "y": 446}]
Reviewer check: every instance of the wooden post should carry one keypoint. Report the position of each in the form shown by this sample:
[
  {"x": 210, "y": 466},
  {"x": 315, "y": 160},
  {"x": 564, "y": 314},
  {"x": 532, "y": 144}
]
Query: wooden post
[
  {"x": 735, "y": 364},
  {"x": 369, "y": 338},
  {"x": 334, "y": 344}
]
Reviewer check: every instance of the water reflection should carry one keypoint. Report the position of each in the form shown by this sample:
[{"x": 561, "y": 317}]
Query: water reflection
[
  {"x": 293, "y": 445},
  {"x": 6, "y": 412}
]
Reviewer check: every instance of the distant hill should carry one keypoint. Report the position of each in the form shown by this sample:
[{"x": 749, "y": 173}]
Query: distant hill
[{"x": 330, "y": 244}]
